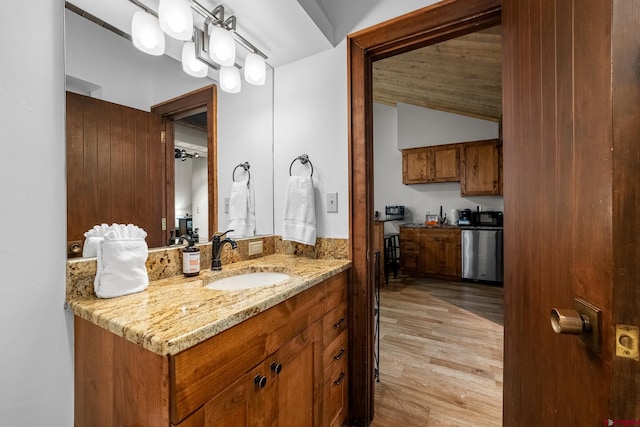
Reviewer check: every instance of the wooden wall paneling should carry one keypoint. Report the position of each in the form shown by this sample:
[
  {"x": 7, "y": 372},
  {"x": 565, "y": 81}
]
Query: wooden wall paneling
[
  {"x": 75, "y": 167},
  {"x": 156, "y": 179},
  {"x": 128, "y": 166},
  {"x": 90, "y": 159},
  {"x": 626, "y": 198},
  {"x": 104, "y": 199},
  {"x": 140, "y": 169},
  {"x": 116, "y": 154}
]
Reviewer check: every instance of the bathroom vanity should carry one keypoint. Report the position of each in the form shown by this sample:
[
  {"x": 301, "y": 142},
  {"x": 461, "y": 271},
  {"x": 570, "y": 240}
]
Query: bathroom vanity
[{"x": 179, "y": 354}]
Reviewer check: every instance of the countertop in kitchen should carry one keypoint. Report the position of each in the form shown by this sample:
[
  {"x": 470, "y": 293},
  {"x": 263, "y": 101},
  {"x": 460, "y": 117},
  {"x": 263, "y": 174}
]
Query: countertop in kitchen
[
  {"x": 448, "y": 227},
  {"x": 176, "y": 313}
]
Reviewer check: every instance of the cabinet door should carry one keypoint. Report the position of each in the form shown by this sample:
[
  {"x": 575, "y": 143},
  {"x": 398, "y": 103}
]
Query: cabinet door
[
  {"x": 300, "y": 379},
  {"x": 481, "y": 168},
  {"x": 431, "y": 253},
  {"x": 415, "y": 165},
  {"x": 446, "y": 163},
  {"x": 452, "y": 254},
  {"x": 409, "y": 250},
  {"x": 250, "y": 401}
]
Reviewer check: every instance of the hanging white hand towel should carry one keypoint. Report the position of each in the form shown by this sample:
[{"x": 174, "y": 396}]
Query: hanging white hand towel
[
  {"x": 299, "y": 223},
  {"x": 122, "y": 255},
  {"x": 242, "y": 212},
  {"x": 92, "y": 238}
]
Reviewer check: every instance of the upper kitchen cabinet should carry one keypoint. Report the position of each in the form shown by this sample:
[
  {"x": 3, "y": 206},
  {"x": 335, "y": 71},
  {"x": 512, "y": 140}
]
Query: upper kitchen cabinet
[
  {"x": 440, "y": 163},
  {"x": 481, "y": 168}
]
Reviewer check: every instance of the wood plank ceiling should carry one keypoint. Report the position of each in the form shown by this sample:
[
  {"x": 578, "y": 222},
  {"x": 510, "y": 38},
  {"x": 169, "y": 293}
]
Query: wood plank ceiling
[{"x": 461, "y": 75}]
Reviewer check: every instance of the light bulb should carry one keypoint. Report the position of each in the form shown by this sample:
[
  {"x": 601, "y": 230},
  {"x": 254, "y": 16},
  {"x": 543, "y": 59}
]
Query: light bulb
[
  {"x": 176, "y": 19},
  {"x": 222, "y": 46},
  {"x": 230, "y": 79},
  {"x": 190, "y": 64},
  {"x": 255, "y": 69},
  {"x": 146, "y": 33}
]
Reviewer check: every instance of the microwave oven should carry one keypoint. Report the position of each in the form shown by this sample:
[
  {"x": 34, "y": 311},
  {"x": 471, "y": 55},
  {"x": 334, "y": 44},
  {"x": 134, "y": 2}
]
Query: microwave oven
[{"x": 486, "y": 219}]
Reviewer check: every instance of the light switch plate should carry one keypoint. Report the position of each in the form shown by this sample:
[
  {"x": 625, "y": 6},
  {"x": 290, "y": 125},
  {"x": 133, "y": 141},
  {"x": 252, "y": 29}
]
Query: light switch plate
[
  {"x": 332, "y": 202},
  {"x": 255, "y": 248}
]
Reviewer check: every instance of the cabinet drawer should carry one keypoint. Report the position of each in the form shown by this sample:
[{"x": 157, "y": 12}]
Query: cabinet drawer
[
  {"x": 336, "y": 289},
  {"x": 335, "y": 322},
  {"x": 334, "y": 356}
]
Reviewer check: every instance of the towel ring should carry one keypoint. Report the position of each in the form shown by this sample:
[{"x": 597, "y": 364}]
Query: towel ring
[
  {"x": 244, "y": 166},
  {"x": 304, "y": 159}
]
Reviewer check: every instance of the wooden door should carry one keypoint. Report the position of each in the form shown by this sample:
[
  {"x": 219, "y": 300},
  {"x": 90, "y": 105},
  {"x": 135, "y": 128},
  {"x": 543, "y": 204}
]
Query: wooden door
[
  {"x": 115, "y": 168},
  {"x": 571, "y": 113},
  {"x": 571, "y": 161}
]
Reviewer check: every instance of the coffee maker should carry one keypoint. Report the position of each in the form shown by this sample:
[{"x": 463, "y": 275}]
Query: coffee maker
[{"x": 465, "y": 217}]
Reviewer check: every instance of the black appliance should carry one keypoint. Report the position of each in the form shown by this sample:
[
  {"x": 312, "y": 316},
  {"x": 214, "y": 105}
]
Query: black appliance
[
  {"x": 486, "y": 219},
  {"x": 395, "y": 212},
  {"x": 465, "y": 217}
]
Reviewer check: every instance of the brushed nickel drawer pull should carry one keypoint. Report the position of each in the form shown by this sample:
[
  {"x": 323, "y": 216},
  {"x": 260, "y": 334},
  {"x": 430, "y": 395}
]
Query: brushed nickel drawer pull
[
  {"x": 340, "y": 378},
  {"x": 339, "y": 322},
  {"x": 339, "y": 355}
]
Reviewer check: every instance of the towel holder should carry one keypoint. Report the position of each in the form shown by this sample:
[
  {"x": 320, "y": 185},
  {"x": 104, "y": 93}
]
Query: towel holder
[
  {"x": 244, "y": 166},
  {"x": 304, "y": 159}
]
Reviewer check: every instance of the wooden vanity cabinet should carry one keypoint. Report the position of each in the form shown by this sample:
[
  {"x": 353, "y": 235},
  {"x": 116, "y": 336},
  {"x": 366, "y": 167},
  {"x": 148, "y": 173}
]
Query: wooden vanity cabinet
[
  {"x": 481, "y": 168},
  {"x": 268, "y": 370},
  {"x": 434, "y": 252}
]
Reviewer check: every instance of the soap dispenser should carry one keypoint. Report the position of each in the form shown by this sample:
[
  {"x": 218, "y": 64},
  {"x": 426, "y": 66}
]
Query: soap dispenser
[{"x": 190, "y": 257}]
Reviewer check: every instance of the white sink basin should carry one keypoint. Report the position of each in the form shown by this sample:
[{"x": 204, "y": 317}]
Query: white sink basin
[{"x": 248, "y": 281}]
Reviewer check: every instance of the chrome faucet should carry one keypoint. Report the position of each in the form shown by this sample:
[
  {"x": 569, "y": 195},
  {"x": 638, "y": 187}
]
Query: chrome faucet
[{"x": 216, "y": 247}]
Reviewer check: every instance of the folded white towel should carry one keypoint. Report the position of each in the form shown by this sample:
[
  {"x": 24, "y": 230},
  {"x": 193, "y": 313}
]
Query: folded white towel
[
  {"x": 242, "y": 211},
  {"x": 92, "y": 238},
  {"x": 299, "y": 223},
  {"x": 121, "y": 262}
]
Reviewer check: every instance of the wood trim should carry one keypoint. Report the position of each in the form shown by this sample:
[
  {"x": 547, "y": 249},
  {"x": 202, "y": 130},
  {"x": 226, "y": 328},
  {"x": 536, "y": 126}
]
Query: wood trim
[
  {"x": 204, "y": 97},
  {"x": 417, "y": 29}
]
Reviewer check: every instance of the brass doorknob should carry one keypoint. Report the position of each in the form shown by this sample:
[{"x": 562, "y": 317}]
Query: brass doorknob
[{"x": 569, "y": 321}]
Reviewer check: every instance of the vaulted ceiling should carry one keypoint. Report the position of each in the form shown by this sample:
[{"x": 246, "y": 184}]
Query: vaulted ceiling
[{"x": 461, "y": 75}]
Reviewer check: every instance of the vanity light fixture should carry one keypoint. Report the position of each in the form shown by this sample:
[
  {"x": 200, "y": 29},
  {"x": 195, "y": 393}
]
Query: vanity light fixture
[
  {"x": 190, "y": 64},
  {"x": 213, "y": 46},
  {"x": 146, "y": 33},
  {"x": 176, "y": 19}
]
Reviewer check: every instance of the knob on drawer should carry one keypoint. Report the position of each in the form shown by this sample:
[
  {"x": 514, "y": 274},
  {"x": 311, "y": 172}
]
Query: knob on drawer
[
  {"x": 276, "y": 367},
  {"x": 261, "y": 381}
]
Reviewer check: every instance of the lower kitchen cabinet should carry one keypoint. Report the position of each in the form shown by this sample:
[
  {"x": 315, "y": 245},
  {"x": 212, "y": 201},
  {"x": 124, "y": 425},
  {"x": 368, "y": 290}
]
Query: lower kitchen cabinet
[
  {"x": 286, "y": 366},
  {"x": 431, "y": 251}
]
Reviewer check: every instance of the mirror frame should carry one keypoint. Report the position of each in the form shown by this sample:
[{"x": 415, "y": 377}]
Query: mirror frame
[{"x": 199, "y": 98}]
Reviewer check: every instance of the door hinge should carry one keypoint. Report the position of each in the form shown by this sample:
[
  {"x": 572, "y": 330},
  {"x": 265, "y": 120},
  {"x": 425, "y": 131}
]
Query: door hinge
[
  {"x": 163, "y": 136},
  {"x": 164, "y": 224}
]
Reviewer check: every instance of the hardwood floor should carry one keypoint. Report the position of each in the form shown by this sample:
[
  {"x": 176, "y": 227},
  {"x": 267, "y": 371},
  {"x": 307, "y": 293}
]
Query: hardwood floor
[{"x": 441, "y": 347}]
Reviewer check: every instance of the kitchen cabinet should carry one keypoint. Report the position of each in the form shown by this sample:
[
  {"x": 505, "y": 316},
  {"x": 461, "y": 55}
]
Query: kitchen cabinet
[
  {"x": 431, "y": 251},
  {"x": 268, "y": 370},
  {"x": 481, "y": 168},
  {"x": 440, "y": 163}
]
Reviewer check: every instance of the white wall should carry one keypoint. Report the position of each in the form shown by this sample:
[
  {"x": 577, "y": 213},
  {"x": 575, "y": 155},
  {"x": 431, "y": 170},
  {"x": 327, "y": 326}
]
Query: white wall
[
  {"x": 36, "y": 386},
  {"x": 183, "y": 187},
  {"x": 200, "y": 198},
  {"x": 423, "y": 127},
  {"x": 420, "y": 198},
  {"x": 311, "y": 113}
]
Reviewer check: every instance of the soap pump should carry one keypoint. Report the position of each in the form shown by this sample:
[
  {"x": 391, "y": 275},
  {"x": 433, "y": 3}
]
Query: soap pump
[{"x": 190, "y": 257}]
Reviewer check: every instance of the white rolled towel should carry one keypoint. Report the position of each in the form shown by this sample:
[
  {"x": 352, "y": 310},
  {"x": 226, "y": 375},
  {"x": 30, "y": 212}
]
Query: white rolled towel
[
  {"x": 92, "y": 238},
  {"x": 122, "y": 255}
]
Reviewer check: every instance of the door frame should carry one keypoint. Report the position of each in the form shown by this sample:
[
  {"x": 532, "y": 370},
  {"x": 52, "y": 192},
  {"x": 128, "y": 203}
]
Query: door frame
[
  {"x": 432, "y": 24},
  {"x": 169, "y": 110}
]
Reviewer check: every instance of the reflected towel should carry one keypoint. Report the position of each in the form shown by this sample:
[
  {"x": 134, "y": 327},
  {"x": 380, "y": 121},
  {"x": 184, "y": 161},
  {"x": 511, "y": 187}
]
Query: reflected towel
[
  {"x": 92, "y": 238},
  {"x": 299, "y": 223},
  {"x": 242, "y": 211},
  {"x": 122, "y": 255}
]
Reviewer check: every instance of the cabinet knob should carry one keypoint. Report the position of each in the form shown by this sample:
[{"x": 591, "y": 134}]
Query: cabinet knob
[
  {"x": 261, "y": 381},
  {"x": 276, "y": 367},
  {"x": 339, "y": 322}
]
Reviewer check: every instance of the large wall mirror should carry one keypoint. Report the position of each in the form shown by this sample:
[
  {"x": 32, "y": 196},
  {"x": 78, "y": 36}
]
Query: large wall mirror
[{"x": 112, "y": 83}]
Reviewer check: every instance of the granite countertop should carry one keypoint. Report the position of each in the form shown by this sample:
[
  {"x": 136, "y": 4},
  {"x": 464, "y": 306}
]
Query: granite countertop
[
  {"x": 449, "y": 227},
  {"x": 176, "y": 313}
]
